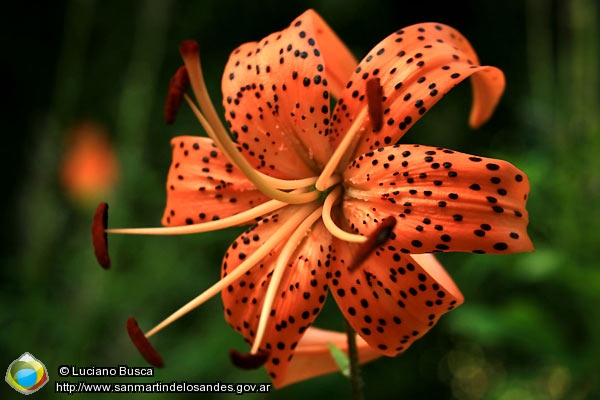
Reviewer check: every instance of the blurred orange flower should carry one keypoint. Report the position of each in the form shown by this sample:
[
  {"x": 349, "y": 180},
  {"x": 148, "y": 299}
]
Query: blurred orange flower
[{"x": 89, "y": 169}]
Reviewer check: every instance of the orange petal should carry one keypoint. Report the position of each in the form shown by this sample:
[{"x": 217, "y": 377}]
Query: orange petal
[
  {"x": 203, "y": 185},
  {"x": 312, "y": 356},
  {"x": 392, "y": 299},
  {"x": 416, "y": 66},
  {"x": 276, "y": 96},
  {"x": 303, "y": 291},
  {"x": 443, "y": 200}
]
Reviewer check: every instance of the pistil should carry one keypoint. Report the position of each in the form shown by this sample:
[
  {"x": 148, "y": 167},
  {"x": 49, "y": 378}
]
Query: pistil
[{"x": 336, "y": 231}]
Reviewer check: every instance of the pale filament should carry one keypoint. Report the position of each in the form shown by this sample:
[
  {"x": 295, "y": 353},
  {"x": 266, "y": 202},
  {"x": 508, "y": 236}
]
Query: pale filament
[
  {"x": 336, "y": 231},
  {"x": 281, "y": 265},
  {"x": 346, "y": 146},
  {"x": 280, "y": 236},
  {"x": 242, "y": 218}
]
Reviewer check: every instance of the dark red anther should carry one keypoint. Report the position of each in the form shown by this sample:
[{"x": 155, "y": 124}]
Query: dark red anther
[
  {"x": 374, "y": 104},
  {"x": 99, "y": 237},
  {"x": 143, "y": 344},
  {"x": 378, "y": 238},
  {"x": 248, "y": 360},
  {"x": 189, "y": 48},
  {"x": 177, "y": 87}
]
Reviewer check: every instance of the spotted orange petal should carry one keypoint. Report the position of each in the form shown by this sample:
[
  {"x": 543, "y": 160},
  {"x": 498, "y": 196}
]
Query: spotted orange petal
[
  {"x": 203, "y": 185},
  {"x": 392, "y": 299},
  {"x": 312, "y": 356},
  {"x": 276, "y": 96},
  {"x": 302, "y": 290},
  {"x": 416, "y": 67},
  {"x": 443, "y": 200}
]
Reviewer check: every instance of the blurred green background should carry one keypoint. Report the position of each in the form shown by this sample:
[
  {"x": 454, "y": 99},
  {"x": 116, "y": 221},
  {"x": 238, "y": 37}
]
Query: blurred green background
[{"x": 530, "y": 325}]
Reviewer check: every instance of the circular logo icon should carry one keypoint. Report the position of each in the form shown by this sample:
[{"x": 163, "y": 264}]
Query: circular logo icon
[{"x": 26, "y": 374}]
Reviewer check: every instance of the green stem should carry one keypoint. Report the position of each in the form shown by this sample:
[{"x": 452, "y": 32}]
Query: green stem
[{"x": 355, "y": 380}]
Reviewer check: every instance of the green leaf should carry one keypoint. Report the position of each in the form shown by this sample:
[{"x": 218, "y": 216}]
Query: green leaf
[{"x": 341, "y": 359}]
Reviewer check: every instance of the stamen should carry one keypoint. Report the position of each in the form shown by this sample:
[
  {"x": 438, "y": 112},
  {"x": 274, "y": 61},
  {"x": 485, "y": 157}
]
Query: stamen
[
  {"x": 374, "y": 104},
  {"x": 190, "y": 52},
  {"x": 248, "y": 360},
  {"x": 378, "y": 238},
  {"x": 260, "y": 181},
  {"x": 99, "y": 237},
  {"x": 143, "y": 344},
  {"x": 288, "y": 226},
  {"x": 343, "y": 152},
  {"x": 286, "y": 253},
  {"x": 177, "y": 87},
  {"x": 242, "y": 218},
  {"x": 336, "y": 231}
]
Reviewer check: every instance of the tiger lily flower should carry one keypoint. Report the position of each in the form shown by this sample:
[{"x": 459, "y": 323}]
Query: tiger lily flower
[{"x": 334, "y": 202}]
